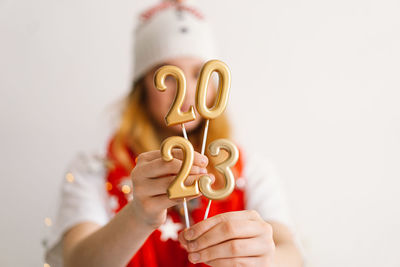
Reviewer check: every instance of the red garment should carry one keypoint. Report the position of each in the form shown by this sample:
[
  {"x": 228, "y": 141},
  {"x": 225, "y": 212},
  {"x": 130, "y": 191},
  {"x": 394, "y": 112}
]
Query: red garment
[{"x": 155, "y": 252}]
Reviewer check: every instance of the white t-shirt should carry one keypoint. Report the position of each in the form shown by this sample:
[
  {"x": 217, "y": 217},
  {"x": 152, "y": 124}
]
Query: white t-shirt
[{"x": 84, "y": 197}]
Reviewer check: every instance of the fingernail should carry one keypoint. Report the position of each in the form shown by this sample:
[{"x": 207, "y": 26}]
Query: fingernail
[
  {"x": 189, "y": 234},
  {"x": 194, "y": 257},
  {"x": 192, "y": 245}
]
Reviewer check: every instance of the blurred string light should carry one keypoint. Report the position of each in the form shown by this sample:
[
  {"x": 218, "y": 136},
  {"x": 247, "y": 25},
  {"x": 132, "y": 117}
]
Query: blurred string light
[
  {"x": 70, "y": 177},
  {"x": 125, "y": 185},
  {"x": 109, "y": 186},
  {"x": 48, "y": 222},
  {"x": 126, "y": 189}
]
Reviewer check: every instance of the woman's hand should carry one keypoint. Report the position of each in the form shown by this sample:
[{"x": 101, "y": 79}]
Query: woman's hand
[
  {"x": 240, "y": 238},
  {"x": 151, "y": 178}
]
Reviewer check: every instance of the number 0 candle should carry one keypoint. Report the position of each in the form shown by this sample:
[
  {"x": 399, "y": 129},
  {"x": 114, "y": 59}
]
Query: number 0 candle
[{"x": 223, "y": 89}]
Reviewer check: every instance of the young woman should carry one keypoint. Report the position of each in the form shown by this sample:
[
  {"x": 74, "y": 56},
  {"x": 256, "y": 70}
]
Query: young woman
[{"x": 115, "y": 212}]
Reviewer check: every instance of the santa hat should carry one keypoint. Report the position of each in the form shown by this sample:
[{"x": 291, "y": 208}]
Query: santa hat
[{"x": 168, "y": 30}]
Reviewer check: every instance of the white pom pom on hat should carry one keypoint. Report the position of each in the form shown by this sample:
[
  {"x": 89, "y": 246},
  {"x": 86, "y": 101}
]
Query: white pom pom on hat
[{"x": 169, "y": 30}]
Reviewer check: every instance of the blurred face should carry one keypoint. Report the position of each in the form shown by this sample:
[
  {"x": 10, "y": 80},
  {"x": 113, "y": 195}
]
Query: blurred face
[{"x": 159, "y": 102}]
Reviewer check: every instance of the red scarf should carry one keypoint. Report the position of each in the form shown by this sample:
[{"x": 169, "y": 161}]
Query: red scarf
[{"x": 156, "y": 252}]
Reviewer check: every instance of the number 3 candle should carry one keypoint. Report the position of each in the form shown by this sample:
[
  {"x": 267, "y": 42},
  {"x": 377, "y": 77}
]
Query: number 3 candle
[{"x": 223, "y": 167}]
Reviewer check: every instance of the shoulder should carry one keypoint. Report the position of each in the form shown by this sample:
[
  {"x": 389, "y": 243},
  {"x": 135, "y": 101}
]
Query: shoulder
[
  {"x": 264, "y": 189},
  {"x": 85, "y": 171},
  {"x": 83, "y": 198},
  {"x": 259, "y": 168},
  {"x": 87, "y": 164},
  {"x": 84, "y": 185}
]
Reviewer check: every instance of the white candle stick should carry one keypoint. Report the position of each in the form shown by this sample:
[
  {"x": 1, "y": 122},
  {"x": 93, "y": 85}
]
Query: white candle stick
[
  {"x": 203, "y": 148},
  {"x": 184, "y": 199},
  {"x": 207, "y": 210}
]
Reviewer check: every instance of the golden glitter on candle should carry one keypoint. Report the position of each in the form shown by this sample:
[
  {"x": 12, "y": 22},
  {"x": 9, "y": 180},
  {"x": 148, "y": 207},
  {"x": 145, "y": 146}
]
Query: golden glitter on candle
[
  {"x": 70, "y": 177},
  {"x": 126, "y": 189},
  {"x": 47, "y": 221},
  {"x": 108, "y": 186}
]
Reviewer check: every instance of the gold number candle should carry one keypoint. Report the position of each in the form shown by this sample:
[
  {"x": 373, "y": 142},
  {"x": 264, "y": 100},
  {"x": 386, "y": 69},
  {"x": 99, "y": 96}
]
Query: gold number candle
[
  {"x": 223, "y": 89},
  {"x": 177, "y": 188},
  {"x": 223, "y": 167},
  {"x": 175, "y": 114},
  {"x": 222, "y": 95}
]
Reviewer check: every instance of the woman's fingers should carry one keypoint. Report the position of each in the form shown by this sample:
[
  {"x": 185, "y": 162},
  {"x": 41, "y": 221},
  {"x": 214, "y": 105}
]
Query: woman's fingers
[
  {"x": 226, "y": 230},
  {"x": 200, "y": 228},
  {"x": 158, "y": 186},
  {"x": 151, "y": 178},
  {"x": 230, "y": 249},
  {"x": 152, "y": 187},
  {"x": 230, "y": 236},
  {"x": 162, "y": 202},
  {"x": 199, "y": 159},
  {"x": 151, "y": 165},
  {"x": 148, "y": 156},
  {"x": 240, "y": 261},
  {"x": 243, "y": 261},
  {"x": 192, "y": 178},
  {"x": 159, "y": 167}
]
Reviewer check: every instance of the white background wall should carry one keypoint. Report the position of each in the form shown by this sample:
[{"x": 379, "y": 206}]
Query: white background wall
[{"x": 315, "y": 87}]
